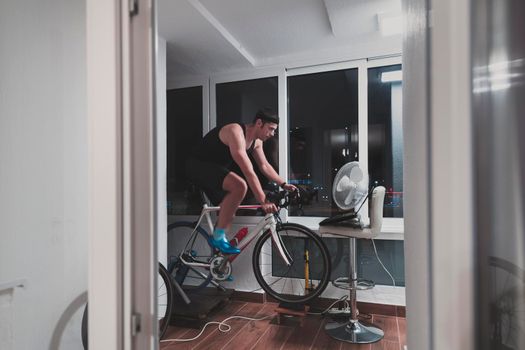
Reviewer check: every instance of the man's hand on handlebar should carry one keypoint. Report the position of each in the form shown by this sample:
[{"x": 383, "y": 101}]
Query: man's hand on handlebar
[
  {"x": 289, "y": 188},
  {"x": 269, "y": 208}
]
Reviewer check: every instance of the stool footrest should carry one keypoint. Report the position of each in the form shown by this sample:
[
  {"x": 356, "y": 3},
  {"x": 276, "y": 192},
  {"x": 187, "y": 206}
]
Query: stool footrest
[{"x": 346, "y": 283}]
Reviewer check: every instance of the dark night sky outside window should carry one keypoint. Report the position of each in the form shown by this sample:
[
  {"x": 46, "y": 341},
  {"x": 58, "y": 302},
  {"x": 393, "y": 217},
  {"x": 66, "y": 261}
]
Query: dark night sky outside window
[
  {"x": 238, "y": 102},
  {"x": 184, "y": 129},
  {"x": 323, "y": 135},
  {"x": 385, "y": 138}
]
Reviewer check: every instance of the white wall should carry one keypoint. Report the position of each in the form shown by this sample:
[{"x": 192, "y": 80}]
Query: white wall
[{"x": 43, "y": 171}]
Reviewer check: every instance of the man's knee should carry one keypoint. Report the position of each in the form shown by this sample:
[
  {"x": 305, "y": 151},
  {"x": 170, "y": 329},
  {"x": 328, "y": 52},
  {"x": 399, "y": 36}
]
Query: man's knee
[
  {"x": 240, "y": 188},
  {"x": 236, "y": 185},
  {"x": 243, "y": 188}
]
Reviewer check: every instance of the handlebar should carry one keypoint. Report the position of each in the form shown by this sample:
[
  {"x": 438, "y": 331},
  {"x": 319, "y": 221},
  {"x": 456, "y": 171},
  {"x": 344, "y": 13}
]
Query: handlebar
[{"x": 282, "y": 199}]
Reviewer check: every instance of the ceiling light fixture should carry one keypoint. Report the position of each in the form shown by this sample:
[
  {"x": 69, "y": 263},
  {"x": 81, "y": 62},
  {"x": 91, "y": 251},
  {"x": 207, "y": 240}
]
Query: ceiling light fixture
[{"x": 392, "y": 76}]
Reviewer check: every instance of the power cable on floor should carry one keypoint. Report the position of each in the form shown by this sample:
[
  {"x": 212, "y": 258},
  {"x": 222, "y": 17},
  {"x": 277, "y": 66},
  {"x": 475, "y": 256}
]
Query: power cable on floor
[
  {"x": 221, "y": 324},
  {"x": 344, "y": 297}
]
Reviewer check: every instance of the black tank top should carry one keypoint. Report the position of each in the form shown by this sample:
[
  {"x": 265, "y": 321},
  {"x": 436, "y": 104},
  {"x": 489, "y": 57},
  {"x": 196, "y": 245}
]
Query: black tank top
[{"x": 212, "y": 149}]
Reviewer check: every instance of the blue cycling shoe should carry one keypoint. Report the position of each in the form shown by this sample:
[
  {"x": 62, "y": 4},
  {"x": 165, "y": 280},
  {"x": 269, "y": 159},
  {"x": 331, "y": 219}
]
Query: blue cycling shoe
[{"x": 224, "y": 246}]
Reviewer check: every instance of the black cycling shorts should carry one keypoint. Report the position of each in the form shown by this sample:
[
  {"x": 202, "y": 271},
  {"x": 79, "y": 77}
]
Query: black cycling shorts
[{"x": 209, "y": 177}]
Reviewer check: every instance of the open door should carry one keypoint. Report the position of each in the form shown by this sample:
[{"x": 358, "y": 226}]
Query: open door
[
  {"x": 439, "y": 229},
  {"x": 120, "y": 46}
]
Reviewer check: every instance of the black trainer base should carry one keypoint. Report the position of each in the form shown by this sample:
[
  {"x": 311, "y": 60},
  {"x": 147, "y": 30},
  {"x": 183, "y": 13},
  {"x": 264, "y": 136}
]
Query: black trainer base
[
  {"x": 203, "y": 302},
  {"x": 292, "y": 306}
]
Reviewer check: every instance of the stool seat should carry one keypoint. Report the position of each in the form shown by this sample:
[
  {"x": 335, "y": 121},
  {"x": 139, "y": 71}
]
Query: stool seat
[
  {"x": 365, "y": 233},
  {"x": 369, "y": 231}
]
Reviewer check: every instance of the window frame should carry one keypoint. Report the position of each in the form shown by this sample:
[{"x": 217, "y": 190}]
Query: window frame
[
  {"x": 313, "y": 221},
  {"x": 393, "y": 228}
]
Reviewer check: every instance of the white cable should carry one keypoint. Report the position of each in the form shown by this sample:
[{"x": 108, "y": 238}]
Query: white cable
[
  {"x": 344, "y": 297},
  {"x": 384, "y": 268},
  {"x": 221, "y": 324}
]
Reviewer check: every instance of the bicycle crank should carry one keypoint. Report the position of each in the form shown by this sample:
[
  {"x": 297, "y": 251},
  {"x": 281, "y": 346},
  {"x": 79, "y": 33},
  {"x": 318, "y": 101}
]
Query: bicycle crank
[{"x": 221, "y": 268}]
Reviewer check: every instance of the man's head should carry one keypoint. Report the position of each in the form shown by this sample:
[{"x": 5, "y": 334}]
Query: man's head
[
  {"x": 266, "y": 122},
  {"x": 266, "y": 115}
]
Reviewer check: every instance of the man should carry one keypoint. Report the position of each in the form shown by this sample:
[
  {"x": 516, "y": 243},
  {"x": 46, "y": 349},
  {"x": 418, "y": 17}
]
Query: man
[{"x": 210, "y": 167}]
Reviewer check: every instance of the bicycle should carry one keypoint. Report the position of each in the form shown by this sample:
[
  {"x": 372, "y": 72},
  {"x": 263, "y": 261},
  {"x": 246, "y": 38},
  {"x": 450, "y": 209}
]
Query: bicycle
[{"x": 290, "y": 262}]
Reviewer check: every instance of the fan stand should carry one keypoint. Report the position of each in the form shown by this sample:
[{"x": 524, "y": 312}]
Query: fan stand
[{"x": 353, "y": 331}]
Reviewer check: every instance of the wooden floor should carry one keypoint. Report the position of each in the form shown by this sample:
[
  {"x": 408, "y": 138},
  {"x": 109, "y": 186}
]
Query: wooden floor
[{"x": 267, "y": 334}]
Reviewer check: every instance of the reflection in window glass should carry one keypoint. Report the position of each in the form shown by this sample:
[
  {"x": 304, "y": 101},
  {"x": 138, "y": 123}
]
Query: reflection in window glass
[
  {"x": 385, "y": 135},
  {"x": 323, "y": 136},
  {"x": 184, "y": 128},
  {"x": 391, "y": 253},
  {"x": 238, "y": 102}
]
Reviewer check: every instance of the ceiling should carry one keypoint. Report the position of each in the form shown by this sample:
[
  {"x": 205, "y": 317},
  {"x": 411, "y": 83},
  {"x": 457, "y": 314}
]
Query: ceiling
[{"x": 206, "y": 37}]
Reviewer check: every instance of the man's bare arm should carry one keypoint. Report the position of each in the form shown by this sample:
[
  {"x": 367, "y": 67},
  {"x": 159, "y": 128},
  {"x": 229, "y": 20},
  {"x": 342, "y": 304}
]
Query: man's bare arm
[
  {"x": 263, "y": 164},
  {"x": 267, "y": 169}
]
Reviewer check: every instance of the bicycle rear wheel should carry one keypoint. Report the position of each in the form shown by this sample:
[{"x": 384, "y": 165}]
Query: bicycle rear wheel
[
  {"x": 309, "y": 272},
  {"x": 164, "y": 300},
  {"x": 185, "y": 239},
  {"x": 164, "y": 306}
]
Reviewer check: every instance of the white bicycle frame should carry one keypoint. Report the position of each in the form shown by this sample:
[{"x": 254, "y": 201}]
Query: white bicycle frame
[{"x": 268, "y": 222}]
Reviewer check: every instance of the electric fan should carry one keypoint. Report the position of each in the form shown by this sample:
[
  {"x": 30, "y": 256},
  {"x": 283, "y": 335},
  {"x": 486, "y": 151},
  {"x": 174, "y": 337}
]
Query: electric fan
[
  {"x": 350, "y": 186},
  {"x": 349, "y": 190}
]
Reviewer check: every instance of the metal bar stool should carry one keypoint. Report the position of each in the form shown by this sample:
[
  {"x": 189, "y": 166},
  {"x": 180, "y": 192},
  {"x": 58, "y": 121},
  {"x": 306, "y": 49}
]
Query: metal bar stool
[{"x": 354, "y": 331}]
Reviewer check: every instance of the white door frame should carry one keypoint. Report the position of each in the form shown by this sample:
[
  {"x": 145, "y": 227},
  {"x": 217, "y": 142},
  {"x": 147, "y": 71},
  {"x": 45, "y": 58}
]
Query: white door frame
[
  {"x": 452, "y": 228},
  {"x": 122, "y": 253},
  {"x": 439, "y": 253},
  {"x": 439, "y": 234},
  {"x": 104, "y": 110},
  {"x": 416, "y": 175}
]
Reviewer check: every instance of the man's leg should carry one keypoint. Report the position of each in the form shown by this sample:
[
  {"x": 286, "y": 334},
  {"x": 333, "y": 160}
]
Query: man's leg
[{"x": 235, "y": 188}]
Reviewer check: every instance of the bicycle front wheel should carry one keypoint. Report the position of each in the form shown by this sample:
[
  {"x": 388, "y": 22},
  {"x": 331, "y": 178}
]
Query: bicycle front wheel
[{"x": 309, "y": 272}]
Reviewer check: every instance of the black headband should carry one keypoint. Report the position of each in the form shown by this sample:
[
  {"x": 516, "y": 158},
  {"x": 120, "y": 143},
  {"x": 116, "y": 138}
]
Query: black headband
[{"x": 267, "y": 115}]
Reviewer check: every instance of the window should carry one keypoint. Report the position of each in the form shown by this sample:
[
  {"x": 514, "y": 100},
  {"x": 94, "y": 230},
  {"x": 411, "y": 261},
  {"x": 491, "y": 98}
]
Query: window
[
  {"x": 385, "y": 135},
  {"x": 184, "y": 128},
  {"x": 326, "y": 107},
  {"x": 238, "y": 102},
  {"x": 323, "y": 135}
]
